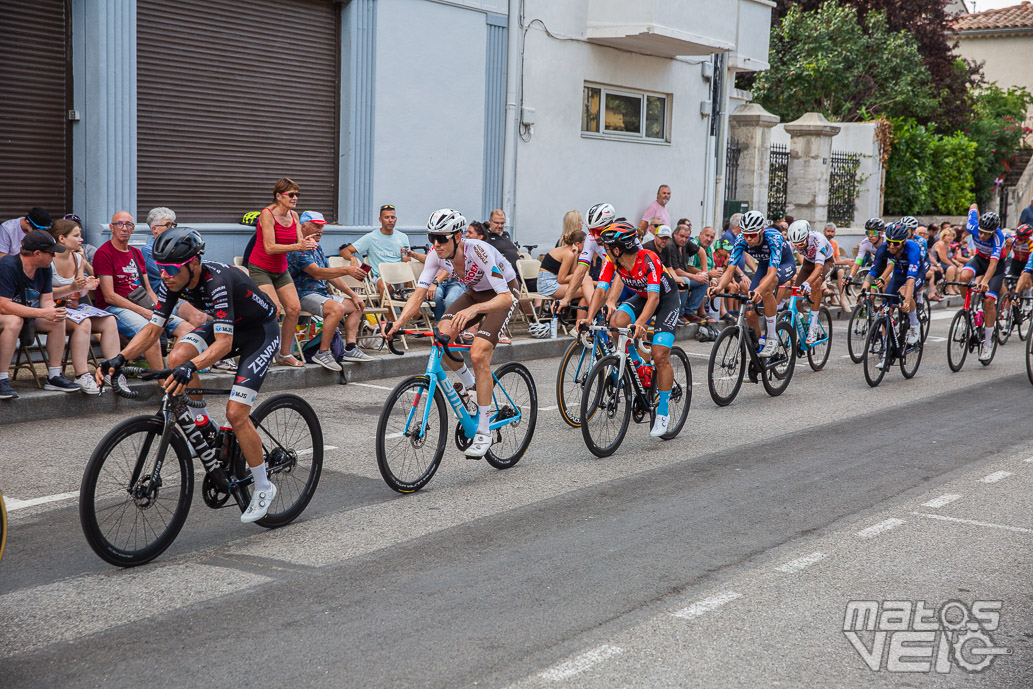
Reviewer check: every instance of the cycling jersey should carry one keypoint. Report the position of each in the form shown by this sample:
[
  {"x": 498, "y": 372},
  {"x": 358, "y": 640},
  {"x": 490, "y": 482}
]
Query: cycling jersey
[
  {"x": 771, "y": 245},
  {"x": 818, "y": 249},
  {"x": 591, "y": 249},
  {"x": 908, "y": 264},
  {"x": 1021, "y": 250},
  {"x": 486, "y": 268},
  {"x": 226, "y": 294},
  {"x": 991, "y": 248},
  {"x": 646, "y": 275},
  {"x": 866, "y": 249}
]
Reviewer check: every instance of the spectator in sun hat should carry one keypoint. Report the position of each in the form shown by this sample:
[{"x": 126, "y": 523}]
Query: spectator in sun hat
[{"x": 14, "y": 230}]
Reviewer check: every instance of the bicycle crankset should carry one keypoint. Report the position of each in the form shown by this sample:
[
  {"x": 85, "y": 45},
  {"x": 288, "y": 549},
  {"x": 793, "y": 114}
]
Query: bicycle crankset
[
  {"x": 214, "y": 495},
  {"x": 462, "y": 442}
]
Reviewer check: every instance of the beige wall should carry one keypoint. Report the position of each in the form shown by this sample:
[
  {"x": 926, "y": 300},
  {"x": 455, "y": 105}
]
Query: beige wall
[{"x": 1006, "y": 60}]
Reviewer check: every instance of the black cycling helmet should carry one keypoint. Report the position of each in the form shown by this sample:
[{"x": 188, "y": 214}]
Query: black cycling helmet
[
  {"x": 178, "y": 245},
  {"x": 990, "y": 221},
  {"x": 620, "y": 234},
  {"x": 896, "y": 231},
  {"x": 874, "y": 225},
  {"x": 1023, "y": 232}
]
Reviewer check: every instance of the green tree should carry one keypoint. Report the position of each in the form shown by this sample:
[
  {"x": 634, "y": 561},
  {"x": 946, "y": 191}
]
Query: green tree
[
  {"x": 928, "y": 172},
  {"x": 827, "y": 61},
  {"x": 997, "y": 127}
]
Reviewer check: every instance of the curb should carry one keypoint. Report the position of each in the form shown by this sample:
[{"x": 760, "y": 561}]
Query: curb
[{"x": 39, "y": 404}]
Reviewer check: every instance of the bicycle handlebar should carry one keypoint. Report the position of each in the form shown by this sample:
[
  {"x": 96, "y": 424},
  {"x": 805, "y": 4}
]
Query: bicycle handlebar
[{"x": 440, "y": 340}]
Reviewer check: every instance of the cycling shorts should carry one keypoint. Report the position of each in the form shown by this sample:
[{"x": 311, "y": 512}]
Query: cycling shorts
[
  {"x": 1015, "y": 267},
  {"x": 979, "y": 264},
  {"x": 807, "y": 268},
  {"x": 785, "y": 273},
  {"x": 255, "y": 345},
  {"x": 897, "y": 281},
  {"x": 492, "y": 325},
  {"x": 665, "y": 318}
]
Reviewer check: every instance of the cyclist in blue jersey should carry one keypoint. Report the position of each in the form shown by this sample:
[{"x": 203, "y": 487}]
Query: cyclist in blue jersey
[
  {"x": 988, "y": 267},
  {"x": 901, "y": 259},
  {"x": 654, "y": 293},
  {"x": 776, "y": 266}
]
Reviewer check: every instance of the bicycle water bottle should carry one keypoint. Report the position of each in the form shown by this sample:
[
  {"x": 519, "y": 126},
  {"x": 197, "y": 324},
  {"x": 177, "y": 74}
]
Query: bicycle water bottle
[
  {"x": 207, "y": 428},
  {"x": 553, "y": 326},
  {"x": 645, "y": 374},
  {"x": 979, "y": 319}
]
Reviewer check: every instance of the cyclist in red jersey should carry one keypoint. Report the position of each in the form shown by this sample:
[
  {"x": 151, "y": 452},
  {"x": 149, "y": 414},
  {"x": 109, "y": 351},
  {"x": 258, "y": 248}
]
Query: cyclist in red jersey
[{"x": 654, "y": 294}]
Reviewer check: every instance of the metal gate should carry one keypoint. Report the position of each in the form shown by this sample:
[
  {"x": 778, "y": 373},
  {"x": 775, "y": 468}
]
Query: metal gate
[
  {"x": 843, "y": 187},
  {"x": 732, "y": 169},
  {"x": 778, "y": 181}
]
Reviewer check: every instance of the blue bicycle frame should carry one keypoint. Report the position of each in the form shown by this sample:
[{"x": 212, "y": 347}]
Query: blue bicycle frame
[{"x": 801, "y": 327}]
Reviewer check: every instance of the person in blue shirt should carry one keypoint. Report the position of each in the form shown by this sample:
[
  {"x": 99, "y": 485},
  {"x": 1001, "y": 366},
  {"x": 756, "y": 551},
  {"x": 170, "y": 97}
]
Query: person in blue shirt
[
  {"x": 987, "y": 266},
  {"x": 897, "y": 269},
  {"x": 775, "y": 267}
]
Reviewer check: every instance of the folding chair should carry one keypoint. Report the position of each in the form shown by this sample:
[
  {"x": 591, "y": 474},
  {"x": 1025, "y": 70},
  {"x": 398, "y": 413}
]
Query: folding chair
[
  {"x": 238, "y": 261},
  {"x": 526, "y": 270},
  {"x": 23, "y": 359}
]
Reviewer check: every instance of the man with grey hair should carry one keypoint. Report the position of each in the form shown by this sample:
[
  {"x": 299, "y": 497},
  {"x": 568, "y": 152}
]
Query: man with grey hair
[{"x": 733, "y": 227}]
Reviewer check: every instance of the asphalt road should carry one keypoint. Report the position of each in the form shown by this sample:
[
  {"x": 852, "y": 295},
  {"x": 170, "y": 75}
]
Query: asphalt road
[{"x": 726, "y": 557}]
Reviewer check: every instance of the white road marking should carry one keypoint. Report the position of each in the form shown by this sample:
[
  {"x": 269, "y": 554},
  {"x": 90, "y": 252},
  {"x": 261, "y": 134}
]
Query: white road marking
[
  {"x": 392, "y": 436},
  {"x": 370, "y": 385},
  {"x": 581, "y": 663},
  {"x": 973, "y": 522},
  {"x": 935, "y": 338},
  {"x": 879, "y": 528},
  {"x": 942, "y": 315},
  {"x": 1028, "y": 459},
  {"x": 995, "y": 477},
  {"x": 309, "y": 451},
  {"x": 552, "y": 408},
  {"x": 705, "y": 356},
  {"x": 800, "y": 563},
  {"x": 706, "y": 605},
  {"x": 13, "y": 504},
  {"x": 941, "y": 501}
]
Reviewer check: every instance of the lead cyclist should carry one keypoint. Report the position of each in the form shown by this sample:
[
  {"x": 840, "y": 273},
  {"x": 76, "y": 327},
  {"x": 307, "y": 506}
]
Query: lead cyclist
[{"x": 491, "y": 293}]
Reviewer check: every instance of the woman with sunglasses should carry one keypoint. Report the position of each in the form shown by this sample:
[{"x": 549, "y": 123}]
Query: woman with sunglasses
[
  {"x": 491, "y": 293},
  {"x": 244, "y": 325},
  {"x": 278, "y": 233}
]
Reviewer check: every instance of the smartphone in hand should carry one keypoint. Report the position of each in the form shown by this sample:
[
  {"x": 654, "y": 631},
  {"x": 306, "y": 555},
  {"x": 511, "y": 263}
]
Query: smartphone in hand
[{"x": 366, "y": 268}]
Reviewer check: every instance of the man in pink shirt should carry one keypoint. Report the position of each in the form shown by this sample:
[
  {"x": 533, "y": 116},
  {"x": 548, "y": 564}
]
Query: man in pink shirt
[{"x": 657, "y": 209}]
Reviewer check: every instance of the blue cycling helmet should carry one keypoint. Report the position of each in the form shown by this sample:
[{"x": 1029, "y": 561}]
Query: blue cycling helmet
[{"x": 896, "y": 231}]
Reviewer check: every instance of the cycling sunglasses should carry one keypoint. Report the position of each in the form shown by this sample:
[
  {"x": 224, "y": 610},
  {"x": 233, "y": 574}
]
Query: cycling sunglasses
[
  {"x": 171, "y": 269},
  {"x": 439, "y": 238},
  {"x": 895, "y": 242}
]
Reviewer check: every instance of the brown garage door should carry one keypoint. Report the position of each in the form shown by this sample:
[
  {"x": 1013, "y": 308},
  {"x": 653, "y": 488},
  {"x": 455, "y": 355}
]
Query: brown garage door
[
  {"x": 232, "y": 96},
  {"x": 35, "y": 89}
]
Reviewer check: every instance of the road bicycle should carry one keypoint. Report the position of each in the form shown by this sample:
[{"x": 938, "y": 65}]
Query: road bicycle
[
  {"x": 622, "y": 386},
  {"x": 735, "y": 354},
  {"x": 1014, "y": 312},
  {"x": 966, "y": 333},
  {"x": 413, "y": 429},
  {"x": 576, "y": 362},
  {"x": 817, "y": 352},
  {"x": 134, "y": 497},
  {"x": 857, "y": 328},
  {"x": 886, "y": 342}
]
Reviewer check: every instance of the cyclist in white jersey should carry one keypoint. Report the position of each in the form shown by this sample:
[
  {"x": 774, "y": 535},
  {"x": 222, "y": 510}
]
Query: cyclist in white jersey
[
  {"x": 491, "y": 293},
  {"x": 599, "y": 217},
  {"x": 817, "y": 264},
  {"x": 869, "y": 245}
]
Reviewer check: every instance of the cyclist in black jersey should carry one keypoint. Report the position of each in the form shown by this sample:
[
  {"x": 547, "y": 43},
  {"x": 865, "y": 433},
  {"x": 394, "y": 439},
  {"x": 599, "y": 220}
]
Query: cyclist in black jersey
[{"x": 244, "y": 325}]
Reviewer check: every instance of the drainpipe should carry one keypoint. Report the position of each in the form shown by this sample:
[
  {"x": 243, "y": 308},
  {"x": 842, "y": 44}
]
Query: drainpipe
[{"x": 514, "y": 44}]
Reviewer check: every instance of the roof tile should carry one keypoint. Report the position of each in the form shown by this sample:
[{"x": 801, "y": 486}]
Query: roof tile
[{"x": 1015, "y": 17}]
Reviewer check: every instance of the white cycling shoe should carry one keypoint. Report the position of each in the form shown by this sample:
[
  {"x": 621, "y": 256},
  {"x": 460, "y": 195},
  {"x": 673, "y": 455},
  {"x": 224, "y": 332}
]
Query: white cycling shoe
[
  {"x": 913, "y": 336},
  {"x": 769, "y": 349},
  {"x": 660, "y": 425},
  {"x": 479, "y": 447},
  {"x": 986, "y": 352},
  {"x": 260, "y": 502}
]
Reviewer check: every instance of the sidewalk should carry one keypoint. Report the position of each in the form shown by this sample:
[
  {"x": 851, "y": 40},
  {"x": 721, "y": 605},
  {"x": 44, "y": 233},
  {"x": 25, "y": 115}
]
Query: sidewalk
[{"x": 33, "y": 404}]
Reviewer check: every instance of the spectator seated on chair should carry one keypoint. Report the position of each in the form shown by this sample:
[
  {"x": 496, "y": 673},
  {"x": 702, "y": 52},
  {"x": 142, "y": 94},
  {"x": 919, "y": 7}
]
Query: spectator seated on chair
[
  {"x": 558, "y": 267},
  {"x": 311, "y": 272},
  {"x": 27, "y": 301},
  {"x": 379, "y": 246}
]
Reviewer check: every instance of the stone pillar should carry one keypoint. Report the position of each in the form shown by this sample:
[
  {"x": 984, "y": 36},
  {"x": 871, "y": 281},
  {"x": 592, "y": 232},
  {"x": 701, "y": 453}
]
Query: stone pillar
[
  {"x": 810, "y": 164},
  {"x": 751, "y": 125},
  {"x": 104, "y": 139}
]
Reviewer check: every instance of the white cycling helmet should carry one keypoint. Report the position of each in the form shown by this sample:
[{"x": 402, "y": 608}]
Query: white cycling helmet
[
  {"x": 446, "y": 221},
  {"x": 798, "y": 232},
  {"x": 910, "y": 222},
  {"x": 540, "y": 330},
  {"x": 752, "y": 222},
  {"x": 600, "y": 215}
]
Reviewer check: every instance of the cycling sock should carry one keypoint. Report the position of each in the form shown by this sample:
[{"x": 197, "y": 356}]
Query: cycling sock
[
  {"x": 465, "y": 377},
  {"x": 53, "y": 371},
  {"x": 988, "y": 332},
  {"x": 814, "y": 325},
  {"x": 663, "y": 399},
  {"x": 912, "y": 317},
  {"x": 482, "y": 418},
  {"x": 261, "y": 477},
  {"x": 770, "y": 321}
]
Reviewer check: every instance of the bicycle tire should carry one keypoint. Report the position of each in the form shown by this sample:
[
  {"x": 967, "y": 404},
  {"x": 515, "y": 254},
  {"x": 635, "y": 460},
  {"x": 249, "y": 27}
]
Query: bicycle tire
[
  {"x": 1003, "y": 326},
  {"x": 3, "y": 526},
  {"x": 1029, "y": 359},
  {"x": 728, "y": 348},
  {"x": 1022, "y": 320},
  {"x": 94, "y": 518},
  {"x": 993, "y": 348},
  {"x": 424, "y": 466},
  {"x": 925, "y": 319},
  {"x": 911, "y": 359},
  {"x": 876, "y": 345},
  {"x": 818, "y": 355},
  {"x": 681, "y": 392},
  {"x": 521, "y": 432},
  {"x": 776, "y": 378},
  {"x": 601, "y": 402},
  {"x": 857, "y": 332},
  {"x": 957, "y": 338},
  {"x": 569, "y": 402},
  {"x": 283, "y": 436}
]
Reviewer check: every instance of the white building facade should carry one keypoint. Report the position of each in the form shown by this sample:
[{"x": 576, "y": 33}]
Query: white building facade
[{"x": 534, "y": 106}]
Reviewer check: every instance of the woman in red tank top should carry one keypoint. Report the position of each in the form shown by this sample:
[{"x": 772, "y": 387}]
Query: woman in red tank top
[{"x": 279, "y": 233}]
